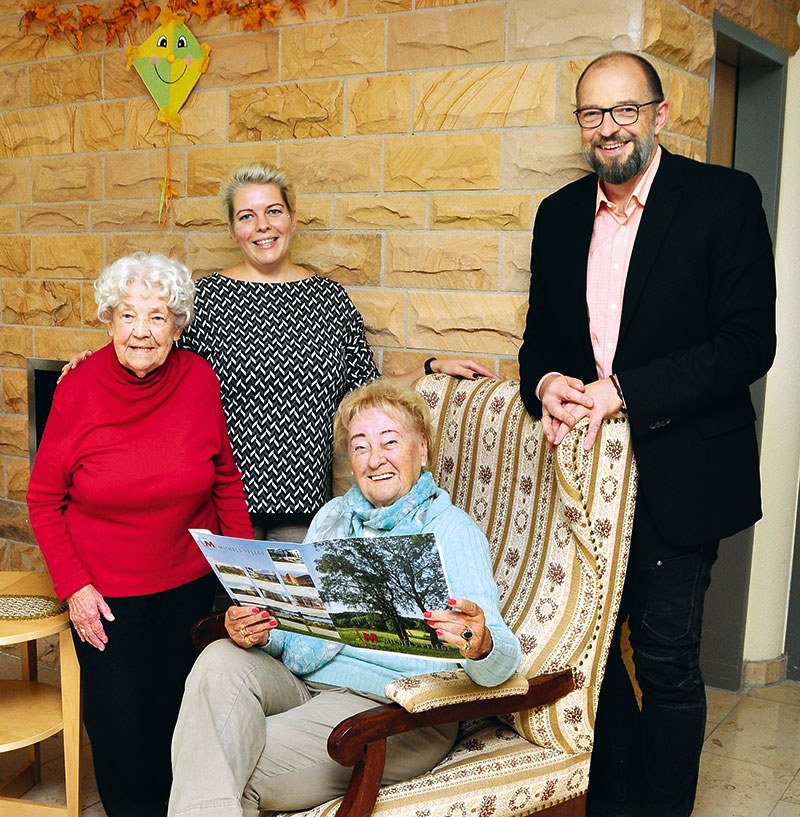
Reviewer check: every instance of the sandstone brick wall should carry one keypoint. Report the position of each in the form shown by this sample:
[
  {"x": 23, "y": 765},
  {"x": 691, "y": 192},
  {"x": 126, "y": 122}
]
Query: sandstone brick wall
[{"x": 421, "y": 135}]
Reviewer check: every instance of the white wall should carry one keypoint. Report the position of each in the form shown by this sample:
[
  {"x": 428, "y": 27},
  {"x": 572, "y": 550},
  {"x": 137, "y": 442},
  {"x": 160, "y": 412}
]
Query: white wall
[{"x": 780, "y": 452}]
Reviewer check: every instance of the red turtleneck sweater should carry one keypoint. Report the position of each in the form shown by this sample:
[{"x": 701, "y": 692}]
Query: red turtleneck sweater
[{"x": 125, "y": 467}]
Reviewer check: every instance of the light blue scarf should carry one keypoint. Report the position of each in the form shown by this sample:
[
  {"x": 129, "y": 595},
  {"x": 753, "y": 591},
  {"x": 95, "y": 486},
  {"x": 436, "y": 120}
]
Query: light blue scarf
[{"x": 405, "y": 516}]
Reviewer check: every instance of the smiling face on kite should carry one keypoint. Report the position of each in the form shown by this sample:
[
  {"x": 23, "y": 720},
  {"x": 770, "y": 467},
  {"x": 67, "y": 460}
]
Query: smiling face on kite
[{"x": 170, "y": 62}]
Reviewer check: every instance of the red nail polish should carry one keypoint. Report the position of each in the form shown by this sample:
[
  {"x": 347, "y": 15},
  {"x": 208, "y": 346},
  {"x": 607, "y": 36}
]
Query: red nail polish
[
  {"x": 264, "y": 614},
  {"x": 440, "y": 632},
  {"x": 451, "y": 602},
  {"x": 427, "y": 614},
  {"x": 254, "y": 610}
]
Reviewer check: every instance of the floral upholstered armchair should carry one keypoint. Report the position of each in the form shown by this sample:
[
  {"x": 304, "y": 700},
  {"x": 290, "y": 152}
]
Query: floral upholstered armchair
[{"x": 559, "y": 525}]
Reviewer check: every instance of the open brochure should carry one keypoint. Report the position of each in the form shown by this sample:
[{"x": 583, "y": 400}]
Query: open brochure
[{"x": 366, "y": 592}]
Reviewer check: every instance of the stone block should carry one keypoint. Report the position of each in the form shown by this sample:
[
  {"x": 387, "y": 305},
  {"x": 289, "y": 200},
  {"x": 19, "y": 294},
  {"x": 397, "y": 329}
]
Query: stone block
[
  {"x": 447, "y": 36},
  {"x": 548, "y": 158},
  {"x": 18, "y": 47},
  {"x": 119, "y": 82},
  {"x": 690, "y": 105},
  {"x": 45, "y": 218},
  {"x": 16, "y": 346},
  {"x": 675, "y": 35},
  {"x": 210, "y": 252},
  {"x": 442, "y": 261},
  {"x": 792, "y": 43},
  {"x": 334, "y": 165},
  {"x": 15, "y": 255},
  {"x": 137, "y": 174},
  {"x": 9, "y": 219},
  {"x": 14, "y": 86},
  {"x": 13, "y": 438},
  {"x": 89, "y": 308},
  {"x": 29, "y": 558},
  {"x": 481, "y": 211},
  {"x": 197, "y": 214},
  {"x": 333, "y": 49},
  {"x": 739, "y": 11},
  {"x": 381, "y": 211},
  {"x": 204, "y": 120},
  {"x": 242, "y": 59},
  {"x": 379, "y": 104},
  {"x": 567, "y": 81},
  {"x": 15, "y": 391},
  {"x": 466, "y": 321},
  {"x": 515, "y": 273},
  {"x": 208, "y": 166},
  {"x": 314, "y": 212},
  {"x": 15, "y": 181},
  {"x": 508, "y": 368},
  {"x": 458, "y": 161},
  {"x": 352, "y": 259},
  {"x": 296, "y": 110},
  {"x": 14, "y": 523},
  {"x": 66, "y": 178},
  {"x": 173, "y": 245},
  {"x": 683, "y": 146},
  {"x": 62, "y": 344},
  {"x": 540, "y": 29},
  {"x": 769, "y": 21},
  {"x": 81, "y": 257},
  {"x": 497, "y": 96},
  {"x": 74, "y": 80},
  {"x": 703, "y": 7},
  {"x": 18, "y": 473},
  {"x": 41, "y": 303},
  {"x": 357, "y": 7},
  {"x": 383, "y": 312},
  {"x": 102, "y": 126},
  {"x": 126, "y": 216},
  {"x": 29, "y": 133}
]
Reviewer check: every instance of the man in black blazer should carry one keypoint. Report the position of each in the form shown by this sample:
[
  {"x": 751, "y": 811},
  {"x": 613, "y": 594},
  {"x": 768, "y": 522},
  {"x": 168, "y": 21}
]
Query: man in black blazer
[{"x": 653, "y": 291}]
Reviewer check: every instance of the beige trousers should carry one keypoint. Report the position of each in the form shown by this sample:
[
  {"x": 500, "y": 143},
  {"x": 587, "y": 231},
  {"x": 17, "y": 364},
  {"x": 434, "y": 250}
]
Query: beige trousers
[{"x": 251, "y": 735}]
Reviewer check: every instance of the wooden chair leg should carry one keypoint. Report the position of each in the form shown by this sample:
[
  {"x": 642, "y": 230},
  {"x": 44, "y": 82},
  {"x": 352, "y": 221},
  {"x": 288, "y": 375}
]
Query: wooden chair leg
[
  {"x": 71, "y": 714},
  {"x": 359, "y": 800}
]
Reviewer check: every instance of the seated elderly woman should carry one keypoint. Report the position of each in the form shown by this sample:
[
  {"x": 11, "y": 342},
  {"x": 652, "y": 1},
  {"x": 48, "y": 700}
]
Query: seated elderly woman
[
  {"x": 134, "y": 453},
  {"x": 254, "y": 723}
]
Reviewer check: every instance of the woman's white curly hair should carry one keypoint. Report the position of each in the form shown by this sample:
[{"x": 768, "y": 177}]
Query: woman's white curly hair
[{"x": 172, "y": 278}]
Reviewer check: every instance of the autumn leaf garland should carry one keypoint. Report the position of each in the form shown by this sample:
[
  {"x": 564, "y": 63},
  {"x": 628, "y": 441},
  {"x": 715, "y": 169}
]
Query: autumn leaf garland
[{"x": 73, "y": 22}]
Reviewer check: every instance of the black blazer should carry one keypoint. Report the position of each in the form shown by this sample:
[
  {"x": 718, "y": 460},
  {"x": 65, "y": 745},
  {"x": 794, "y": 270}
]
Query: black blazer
[{"x": 697, "y": 327}]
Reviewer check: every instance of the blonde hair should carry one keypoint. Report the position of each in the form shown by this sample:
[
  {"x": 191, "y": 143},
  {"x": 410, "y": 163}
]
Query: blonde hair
[
  {"x": 254, "y": 173},
  {"x": 402, "y": 403}
]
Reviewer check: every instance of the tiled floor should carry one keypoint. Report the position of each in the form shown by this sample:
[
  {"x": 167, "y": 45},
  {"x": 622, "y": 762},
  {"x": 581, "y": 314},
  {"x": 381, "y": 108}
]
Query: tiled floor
[{"x": 750, "y": 765}]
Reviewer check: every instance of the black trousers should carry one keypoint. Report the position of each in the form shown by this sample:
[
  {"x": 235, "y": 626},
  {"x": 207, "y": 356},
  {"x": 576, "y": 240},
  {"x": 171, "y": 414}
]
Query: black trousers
[
  {"x": 645, "y": 763},
  {"x": 132, "y": 692}
]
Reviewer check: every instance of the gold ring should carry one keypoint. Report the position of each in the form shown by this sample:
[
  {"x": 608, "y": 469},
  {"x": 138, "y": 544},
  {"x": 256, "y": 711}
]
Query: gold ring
[
  {"x": 81, "y": 631},
  {"x": 243, "y": 631},
  {"x": 248, "y": 641}
]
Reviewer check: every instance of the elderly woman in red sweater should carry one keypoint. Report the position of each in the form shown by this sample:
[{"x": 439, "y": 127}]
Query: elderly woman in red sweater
[{"x": 135, "y": 452}]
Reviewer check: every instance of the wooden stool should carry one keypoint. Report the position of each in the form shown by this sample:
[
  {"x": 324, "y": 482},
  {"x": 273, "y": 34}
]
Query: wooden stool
[{"x": 31, "y": 711}]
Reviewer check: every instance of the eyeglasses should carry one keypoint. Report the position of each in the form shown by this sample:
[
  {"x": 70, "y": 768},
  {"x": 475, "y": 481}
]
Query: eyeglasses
[{"x": 627, "y": 114}]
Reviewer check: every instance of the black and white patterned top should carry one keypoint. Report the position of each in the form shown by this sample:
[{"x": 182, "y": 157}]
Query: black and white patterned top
[{"x": 285, "y": 355}]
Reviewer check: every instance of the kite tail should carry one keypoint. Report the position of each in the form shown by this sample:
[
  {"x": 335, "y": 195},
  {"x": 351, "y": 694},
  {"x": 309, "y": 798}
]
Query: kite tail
[{"x": 167, "y": 191}]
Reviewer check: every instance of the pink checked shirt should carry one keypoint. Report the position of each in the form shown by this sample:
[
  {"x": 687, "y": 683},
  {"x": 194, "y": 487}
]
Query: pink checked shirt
[{"x": 607, "y": 268}]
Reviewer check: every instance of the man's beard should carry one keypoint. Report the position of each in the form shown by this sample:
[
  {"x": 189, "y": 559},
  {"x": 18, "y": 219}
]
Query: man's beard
[{"x": 619, "y": 172}]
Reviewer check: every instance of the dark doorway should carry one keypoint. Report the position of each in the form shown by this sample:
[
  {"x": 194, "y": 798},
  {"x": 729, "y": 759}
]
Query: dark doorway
[{"x": 748, "y": 93}]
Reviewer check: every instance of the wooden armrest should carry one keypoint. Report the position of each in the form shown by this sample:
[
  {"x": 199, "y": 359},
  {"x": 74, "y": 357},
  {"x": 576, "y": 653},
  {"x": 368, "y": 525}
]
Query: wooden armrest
[
  {"x": 360, "y": 741},
  {"x": 347, "y": 742},
  {"x": 208, "y": 629}
]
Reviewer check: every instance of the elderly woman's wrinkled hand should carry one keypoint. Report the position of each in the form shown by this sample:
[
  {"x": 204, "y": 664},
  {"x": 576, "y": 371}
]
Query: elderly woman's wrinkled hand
[
  {"x": 454, "y": 367},
  {"x": 85, "y": 609},
  {"x": 249, "y": 626},
  {"x": 464, "y": 627}
]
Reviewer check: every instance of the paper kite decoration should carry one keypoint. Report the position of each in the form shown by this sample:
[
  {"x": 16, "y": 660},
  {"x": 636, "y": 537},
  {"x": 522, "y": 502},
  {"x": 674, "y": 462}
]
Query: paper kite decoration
[{"x": 170, "y": 62}]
